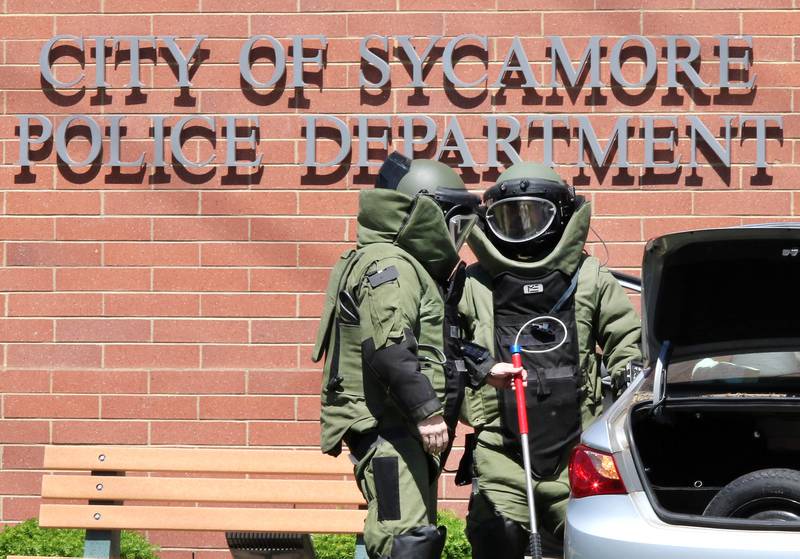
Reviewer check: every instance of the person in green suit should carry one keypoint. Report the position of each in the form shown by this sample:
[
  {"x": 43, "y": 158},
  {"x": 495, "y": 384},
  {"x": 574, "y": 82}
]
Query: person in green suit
[
  {"x": 394, "y": 373},
  {"x": 532, "y": 263}
]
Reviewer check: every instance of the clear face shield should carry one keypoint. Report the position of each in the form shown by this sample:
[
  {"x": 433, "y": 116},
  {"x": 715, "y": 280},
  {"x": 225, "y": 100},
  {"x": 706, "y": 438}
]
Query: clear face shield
[
  {"x": 520, "y": 219},
  {"x": 460, "y": 207}
]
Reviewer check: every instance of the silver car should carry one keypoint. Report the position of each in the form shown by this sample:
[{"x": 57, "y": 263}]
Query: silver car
[{"x": 700, "y": 457}]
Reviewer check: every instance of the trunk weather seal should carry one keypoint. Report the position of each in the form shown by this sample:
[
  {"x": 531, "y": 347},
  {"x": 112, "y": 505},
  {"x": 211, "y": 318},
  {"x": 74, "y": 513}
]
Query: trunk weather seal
[{"x": 693, "y": 519}]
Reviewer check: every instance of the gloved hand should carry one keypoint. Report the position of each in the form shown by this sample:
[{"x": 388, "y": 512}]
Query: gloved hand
[
  {"x": 502, "y": 376},
  {"x": 433, "y": 431}
]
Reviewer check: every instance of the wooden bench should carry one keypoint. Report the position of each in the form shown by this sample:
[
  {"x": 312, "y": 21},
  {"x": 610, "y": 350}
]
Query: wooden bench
[{"x": 308, "y": 492}]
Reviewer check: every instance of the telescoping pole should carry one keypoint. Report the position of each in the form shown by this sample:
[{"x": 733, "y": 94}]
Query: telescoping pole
[{"x": 522, "y": 418}]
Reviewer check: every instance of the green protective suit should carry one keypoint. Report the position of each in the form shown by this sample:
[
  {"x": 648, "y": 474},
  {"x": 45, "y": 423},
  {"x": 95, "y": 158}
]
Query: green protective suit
[
  {"x": 388, "y": 362},
  {"x": 604, "y": 317}
]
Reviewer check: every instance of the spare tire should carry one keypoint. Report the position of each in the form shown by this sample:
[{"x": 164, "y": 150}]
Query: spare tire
[{"x": 772, "y": 494}]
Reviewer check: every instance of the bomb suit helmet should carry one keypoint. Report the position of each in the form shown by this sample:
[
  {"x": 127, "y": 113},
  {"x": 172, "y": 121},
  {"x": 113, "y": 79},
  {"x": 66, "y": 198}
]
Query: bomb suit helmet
[
  {"x": 423, "y": 177},
  {"x": 527, "y": 210}
]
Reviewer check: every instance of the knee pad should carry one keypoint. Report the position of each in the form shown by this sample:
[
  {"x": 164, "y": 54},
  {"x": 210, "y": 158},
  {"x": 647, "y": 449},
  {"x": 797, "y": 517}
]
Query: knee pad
[
  {"x": 425, "y": 542},
  {"x": 498, "y": 538}
]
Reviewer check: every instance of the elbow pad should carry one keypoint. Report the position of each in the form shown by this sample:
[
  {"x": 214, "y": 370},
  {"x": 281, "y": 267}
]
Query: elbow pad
[{"x": 397, "y": 367}]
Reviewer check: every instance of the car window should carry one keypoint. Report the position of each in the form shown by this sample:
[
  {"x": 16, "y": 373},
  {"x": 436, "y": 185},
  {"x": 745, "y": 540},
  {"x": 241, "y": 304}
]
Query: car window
[{"x": 737, "y": 368}]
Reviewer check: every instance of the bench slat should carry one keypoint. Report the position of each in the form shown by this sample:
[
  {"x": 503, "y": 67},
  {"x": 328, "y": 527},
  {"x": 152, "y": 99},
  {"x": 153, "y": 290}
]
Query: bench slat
[
  {"x": 323, "y": 521},
  {"x": 202, "y": 490},
  {"x": 154, "y": 459}
]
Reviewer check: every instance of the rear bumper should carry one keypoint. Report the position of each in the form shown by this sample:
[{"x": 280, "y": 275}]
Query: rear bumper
[{"x": 625, "y": 526}]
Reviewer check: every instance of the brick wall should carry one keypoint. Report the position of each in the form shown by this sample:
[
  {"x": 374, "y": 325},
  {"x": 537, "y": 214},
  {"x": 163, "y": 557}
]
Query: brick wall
[{"x": 178, "y": 307}]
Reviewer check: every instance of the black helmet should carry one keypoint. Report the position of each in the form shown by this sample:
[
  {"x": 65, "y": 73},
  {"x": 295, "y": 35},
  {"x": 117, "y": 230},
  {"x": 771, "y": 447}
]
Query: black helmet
[{"x": 527, "y": 210}]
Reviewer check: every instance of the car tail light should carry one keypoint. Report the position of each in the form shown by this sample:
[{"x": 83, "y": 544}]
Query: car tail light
[{"x": 592, "y": 472}]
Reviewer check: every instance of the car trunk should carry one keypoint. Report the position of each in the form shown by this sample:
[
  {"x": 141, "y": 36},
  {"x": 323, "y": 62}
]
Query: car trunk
[{"x": 690, "y": 450}]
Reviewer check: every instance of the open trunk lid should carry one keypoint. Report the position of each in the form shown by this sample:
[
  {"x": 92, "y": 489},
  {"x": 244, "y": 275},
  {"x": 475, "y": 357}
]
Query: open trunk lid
[{"x": 720, "y": 291}]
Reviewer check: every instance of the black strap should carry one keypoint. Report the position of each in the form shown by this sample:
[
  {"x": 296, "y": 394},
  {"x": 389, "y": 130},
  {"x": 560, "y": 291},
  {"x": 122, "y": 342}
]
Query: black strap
[{"x": 567, "y": 294}]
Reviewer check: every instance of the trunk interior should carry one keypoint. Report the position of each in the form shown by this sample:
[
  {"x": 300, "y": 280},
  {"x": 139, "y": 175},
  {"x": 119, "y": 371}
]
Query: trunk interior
[{"x": 689, "y": 452}]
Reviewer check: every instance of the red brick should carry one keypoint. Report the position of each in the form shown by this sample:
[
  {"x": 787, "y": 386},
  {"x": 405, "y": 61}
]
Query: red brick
[
  {"x": 52, "y": 355},
  {"x": 285, "y": 434},
  {"x": 591, "y": 23},
  {"x": 447, "y": 5},
  {"x": 742, "y": 203},
  {"x": 52, "y": 203},
  {"x": 395, "y": 23},
  {"x": 111, "y": 6},
  {"x": 204, "y": 229},
  {"x": 246, "y": 407},
  {"x": 54, "y": 304},
  {"x": 148, "y": 407},
  {"x": 26, "y": 228},
  {"x": 199, "y": 279},
  {"x": 100, "y": 382},
  {"x": 23, "y": 457},
  {"x": 20, "y": 508},
  {"x": 25, "y": 330},
  {"x": 112, "y": 229},
  {"x": 249, "y": 356},
  {"x": 620, "y": 255},
  {"x": 293, "y": 229},
  {"x": 642, "y": 203},
  {"x": 152, "y": 202},
  {"x": 308, "y": 408},
  {"x": 155, "y": 304},
  {"x": 24, "y": 381},
  {"x": 284, "y": 382},
  {"x": 26, "y": 27},
  {"x": 289, "y": 279},
  {"x": 771, "y": 23},
  {"x": 328, "y": 203},
  {"x": 151, "y": 254},
  {"x": 138, "y": 24},
  {"x": 212, "y": 25},
  {"x": 198, "y": 433},
  {"x": 51, "y": 406},
  {"x": 250, "y": 6},
  {"x": 99, "y": 432},
  {"x": 249, "y": 254},
  {"x": 250, "y": 304},
  {"x": 284, "y": 331},
  {"x": 482, "y": 23},
  {"x": 219, "y": 331},
  {"x": 24, "y": 431},
  {"x": 20, "y": 483},
  {"x": 249, "y": 203},
  {"x": 147, "y": 356},
  {"x": 26, "y": 279},
  {"x": 663, "y": 225},
  {"x": 102, "y": 279},
  {"x": 197, "y": 382},
  {"x": 52, "y": 6},
  {"x": 324, "y": 255},
  {"x": 102, "y": 330},
  {"x": 53, "y": 254},
  {"x": 284, "y": 25},
  {"x": 311, "y": 305}
]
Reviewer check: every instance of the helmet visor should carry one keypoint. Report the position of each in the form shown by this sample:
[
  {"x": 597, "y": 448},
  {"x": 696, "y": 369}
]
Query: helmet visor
[
  {"x": 459, "y": 227},
  {"x": 520, "y": 219}
]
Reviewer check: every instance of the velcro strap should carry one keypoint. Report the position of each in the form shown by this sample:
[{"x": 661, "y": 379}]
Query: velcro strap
[{"x": 382, "y": 276}]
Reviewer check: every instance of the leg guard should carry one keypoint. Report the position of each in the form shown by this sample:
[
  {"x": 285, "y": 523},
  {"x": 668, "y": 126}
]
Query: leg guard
[
  {"x": 425, "y": 542},
  {"x": 498, "y": 538}
]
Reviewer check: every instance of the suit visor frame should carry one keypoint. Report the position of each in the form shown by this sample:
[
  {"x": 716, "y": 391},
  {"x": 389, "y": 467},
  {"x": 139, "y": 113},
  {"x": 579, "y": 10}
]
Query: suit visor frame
[{"x": 520, "y": 219}]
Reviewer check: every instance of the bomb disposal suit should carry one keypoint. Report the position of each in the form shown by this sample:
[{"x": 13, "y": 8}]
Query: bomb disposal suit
[
  {"x": 531, "y": 262},
  {"x": 391, "y": 339}
]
